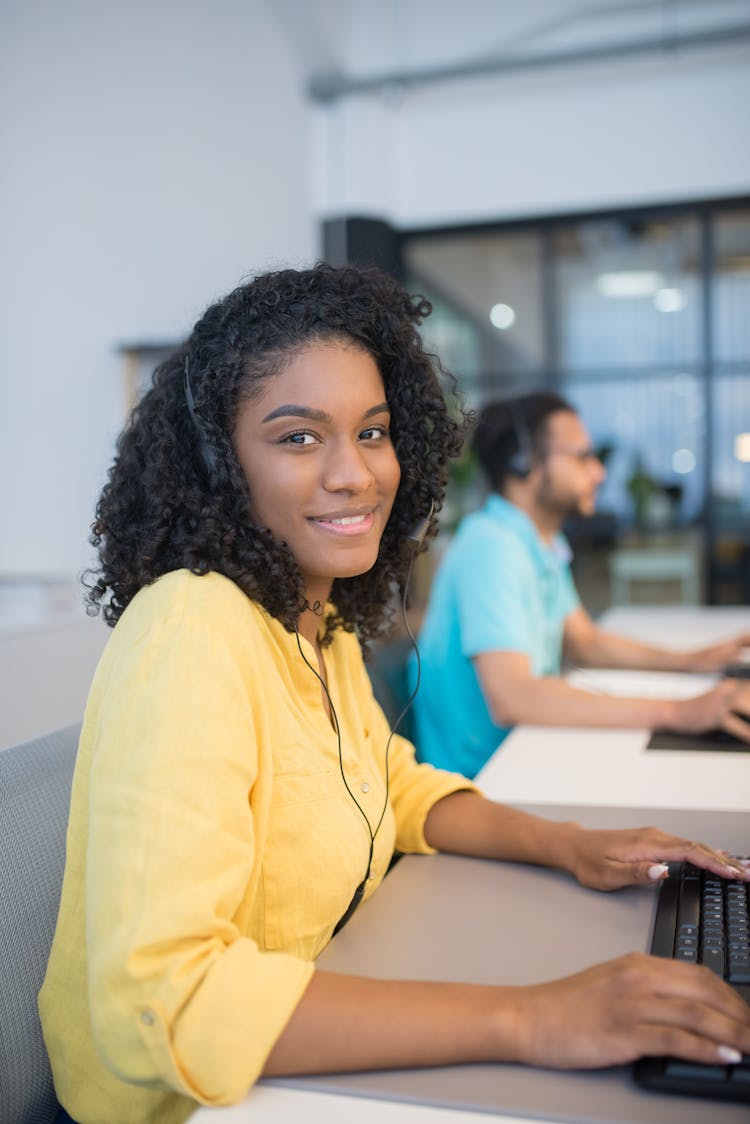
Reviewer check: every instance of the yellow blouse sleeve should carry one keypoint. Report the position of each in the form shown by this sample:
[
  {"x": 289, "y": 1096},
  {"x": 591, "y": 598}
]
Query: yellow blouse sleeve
[{"x": 178, "y": 994}]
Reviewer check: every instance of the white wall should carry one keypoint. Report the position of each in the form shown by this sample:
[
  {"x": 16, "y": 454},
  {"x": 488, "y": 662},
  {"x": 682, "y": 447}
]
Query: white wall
[
  {"x": 153, "y": 153},
  {"x": 631, "y": 131},
  {"x": 45, "y": 674}
]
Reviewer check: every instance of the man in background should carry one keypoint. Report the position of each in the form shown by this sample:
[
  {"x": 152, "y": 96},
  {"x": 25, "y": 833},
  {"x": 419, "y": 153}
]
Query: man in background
[{"x": 504, "y": 612}]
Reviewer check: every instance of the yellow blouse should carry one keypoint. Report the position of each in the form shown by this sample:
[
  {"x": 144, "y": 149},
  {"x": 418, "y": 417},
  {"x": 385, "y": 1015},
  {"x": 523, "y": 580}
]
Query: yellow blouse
[{"x": 212, "y": 847}]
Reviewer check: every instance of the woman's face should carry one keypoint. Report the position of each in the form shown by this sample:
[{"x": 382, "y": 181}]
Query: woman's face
[{"x": 317, "y": 456}]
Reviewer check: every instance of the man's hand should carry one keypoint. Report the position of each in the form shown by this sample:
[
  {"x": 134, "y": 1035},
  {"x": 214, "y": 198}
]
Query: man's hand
[
  {"x": 717, "y": 656},
  {"x": 725, "y": 707}
]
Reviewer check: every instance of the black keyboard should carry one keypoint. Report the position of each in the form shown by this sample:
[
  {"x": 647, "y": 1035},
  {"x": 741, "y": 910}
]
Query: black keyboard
[
  {"x": 702, "y": 919},
  {"x": 707, "y": 742}
]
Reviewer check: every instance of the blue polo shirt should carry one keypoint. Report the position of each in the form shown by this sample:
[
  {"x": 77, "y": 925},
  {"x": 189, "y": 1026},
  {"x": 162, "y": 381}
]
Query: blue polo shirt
[{"x": 501, "y": 588}]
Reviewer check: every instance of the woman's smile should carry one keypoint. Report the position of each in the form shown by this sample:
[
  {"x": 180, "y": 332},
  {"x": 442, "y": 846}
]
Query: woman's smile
[{"x": 355, "y": 524}]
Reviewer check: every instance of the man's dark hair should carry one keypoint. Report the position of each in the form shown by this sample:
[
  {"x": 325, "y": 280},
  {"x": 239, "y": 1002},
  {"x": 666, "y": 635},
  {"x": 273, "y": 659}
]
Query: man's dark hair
[
  {"x": 162, "y": 510},
  {"x": 511, "y": 432}
]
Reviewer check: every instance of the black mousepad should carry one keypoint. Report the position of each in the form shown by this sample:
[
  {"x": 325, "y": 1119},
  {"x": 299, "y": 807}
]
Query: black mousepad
[{"x": 710, "y": 740}]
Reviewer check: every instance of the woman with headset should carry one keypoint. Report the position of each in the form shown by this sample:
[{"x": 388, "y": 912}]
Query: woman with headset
[{"x": 237, "y": 789}]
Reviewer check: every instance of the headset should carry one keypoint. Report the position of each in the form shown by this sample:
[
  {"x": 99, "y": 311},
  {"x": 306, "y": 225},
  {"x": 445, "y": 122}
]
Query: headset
[
  {"x": 416, "y": 537},
  {"x": 414, "y": 540},
  {"x": 207, "y": 458},
  {"x": 521, "y": 462},
  {"x": 208, "y": 464}
]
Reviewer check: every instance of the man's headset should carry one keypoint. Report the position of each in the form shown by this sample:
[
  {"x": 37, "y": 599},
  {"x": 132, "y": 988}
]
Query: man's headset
[{"x": 522, "y": 461}]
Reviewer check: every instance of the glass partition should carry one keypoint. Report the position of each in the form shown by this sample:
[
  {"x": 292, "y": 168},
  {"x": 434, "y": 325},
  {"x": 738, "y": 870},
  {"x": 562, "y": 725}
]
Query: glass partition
[
  {"x": 642, "y": 321},
  {"x": 487, "y": 292},
  {"x": 729, "y": 408}
]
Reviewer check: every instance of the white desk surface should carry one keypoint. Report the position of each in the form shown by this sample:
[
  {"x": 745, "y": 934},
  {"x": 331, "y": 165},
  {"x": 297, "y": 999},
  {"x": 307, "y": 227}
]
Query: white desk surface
[
  {"x": 268, "y": 1104},
  {"x": 554, "y": 765},
  {"x": 547, "y": 765}
]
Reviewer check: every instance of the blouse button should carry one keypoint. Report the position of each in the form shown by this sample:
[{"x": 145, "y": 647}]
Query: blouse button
[
  {"x": 147, "y": 1017},
  {"x": 365, "y": 786}
]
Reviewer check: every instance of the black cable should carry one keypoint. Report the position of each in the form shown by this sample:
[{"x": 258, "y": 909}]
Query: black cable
[{"x": 360, "y": 890}]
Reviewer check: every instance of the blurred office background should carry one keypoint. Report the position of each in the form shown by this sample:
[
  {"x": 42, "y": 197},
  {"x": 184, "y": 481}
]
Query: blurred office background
[{"x": 569, "y": 183}]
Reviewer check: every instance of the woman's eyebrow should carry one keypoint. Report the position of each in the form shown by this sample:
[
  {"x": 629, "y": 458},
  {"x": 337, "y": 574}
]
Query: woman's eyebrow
[
  {"x": 381, "y": 408},
  {"x": 298, "y": 412},
  {"x": 310, "y": 414}
]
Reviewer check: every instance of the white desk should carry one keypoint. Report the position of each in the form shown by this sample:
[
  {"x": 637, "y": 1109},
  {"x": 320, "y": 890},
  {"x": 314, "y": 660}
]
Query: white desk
[
  {"x": 438, "y": 917},
  {"x": 268, "y": 1104},
  {"x": 555, "y": 765},
  {"x": 678, "y": 626},
  {"x": 544, "y": 765}
]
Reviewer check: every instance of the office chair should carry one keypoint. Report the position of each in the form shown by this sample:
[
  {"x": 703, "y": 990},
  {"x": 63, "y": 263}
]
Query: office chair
[
  {"x": 387, "y": 671},
  {"x": 35, "y": 781}
]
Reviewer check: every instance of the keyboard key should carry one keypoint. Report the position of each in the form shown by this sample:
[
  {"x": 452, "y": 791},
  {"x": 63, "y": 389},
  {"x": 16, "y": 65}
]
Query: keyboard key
[{"x": 713, "y": 958}]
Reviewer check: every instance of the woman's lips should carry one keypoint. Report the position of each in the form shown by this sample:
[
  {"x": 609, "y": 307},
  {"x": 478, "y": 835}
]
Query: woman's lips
[{"x": 346, "y": 524}]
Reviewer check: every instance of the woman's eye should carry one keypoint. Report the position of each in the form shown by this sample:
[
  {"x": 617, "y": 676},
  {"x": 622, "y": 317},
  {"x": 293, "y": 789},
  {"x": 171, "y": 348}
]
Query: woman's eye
[
  {"x": 298, "y": 439},
  {"x": 374, "y": 433}
]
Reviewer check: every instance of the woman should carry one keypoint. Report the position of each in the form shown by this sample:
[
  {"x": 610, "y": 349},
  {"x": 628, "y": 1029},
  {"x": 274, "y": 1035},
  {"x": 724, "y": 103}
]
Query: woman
[{"x": 232, "y": 786}]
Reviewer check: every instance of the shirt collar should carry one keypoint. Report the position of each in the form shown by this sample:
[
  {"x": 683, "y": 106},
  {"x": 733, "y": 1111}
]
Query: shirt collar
[{"x": 556, "y": 555}]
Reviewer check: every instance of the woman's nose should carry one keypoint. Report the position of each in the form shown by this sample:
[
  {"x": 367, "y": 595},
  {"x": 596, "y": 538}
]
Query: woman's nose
[{"x": 347, "y": 469}]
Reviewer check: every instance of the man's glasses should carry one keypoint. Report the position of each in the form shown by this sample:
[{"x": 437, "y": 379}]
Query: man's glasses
[{"x": 583, "y": 456}]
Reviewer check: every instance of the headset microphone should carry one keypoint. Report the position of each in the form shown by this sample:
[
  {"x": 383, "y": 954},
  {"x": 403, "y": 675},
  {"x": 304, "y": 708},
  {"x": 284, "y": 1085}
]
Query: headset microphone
[
  {"x": 416, "y": 537},
  {"x": 415, "y": 540}
]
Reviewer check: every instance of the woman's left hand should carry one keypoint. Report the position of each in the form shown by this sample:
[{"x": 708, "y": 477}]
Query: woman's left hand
[{"x": 608, "y": 860}]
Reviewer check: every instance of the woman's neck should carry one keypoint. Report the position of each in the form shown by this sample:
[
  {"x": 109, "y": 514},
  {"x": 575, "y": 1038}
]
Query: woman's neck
[{"x": 308, "y": 623}]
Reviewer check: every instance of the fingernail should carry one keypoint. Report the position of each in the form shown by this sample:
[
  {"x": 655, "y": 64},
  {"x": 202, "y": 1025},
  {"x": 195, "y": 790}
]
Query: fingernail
[
  {"x": 729, "y": 1055},
  {"x": 657, "y": 871}
]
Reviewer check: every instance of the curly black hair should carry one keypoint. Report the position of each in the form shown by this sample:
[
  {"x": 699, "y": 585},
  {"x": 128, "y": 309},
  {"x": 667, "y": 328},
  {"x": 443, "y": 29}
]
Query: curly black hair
[{"x": 176, "y": 496}]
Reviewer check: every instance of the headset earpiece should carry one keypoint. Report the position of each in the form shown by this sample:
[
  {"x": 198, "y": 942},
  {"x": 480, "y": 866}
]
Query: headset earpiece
[
  {"x": 522, "y": 461},
  {"x": 206, "y": 456}
]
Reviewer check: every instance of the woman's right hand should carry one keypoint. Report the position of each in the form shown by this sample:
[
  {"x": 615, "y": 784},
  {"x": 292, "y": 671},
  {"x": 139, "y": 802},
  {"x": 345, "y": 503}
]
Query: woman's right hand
[
  {"x": 725, "y": 707},
  {"x": 630, "y": 1007}
]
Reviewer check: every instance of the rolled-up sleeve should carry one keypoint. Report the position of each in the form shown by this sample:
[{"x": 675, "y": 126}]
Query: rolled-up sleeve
[{"x": 178, "y": 995}]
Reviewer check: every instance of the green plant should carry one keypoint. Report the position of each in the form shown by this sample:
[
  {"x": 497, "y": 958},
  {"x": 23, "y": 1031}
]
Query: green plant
[{"x": 641, "y": 487}]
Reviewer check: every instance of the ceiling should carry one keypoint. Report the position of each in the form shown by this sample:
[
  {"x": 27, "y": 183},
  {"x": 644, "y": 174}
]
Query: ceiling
[{"x": 351, "y": 46}]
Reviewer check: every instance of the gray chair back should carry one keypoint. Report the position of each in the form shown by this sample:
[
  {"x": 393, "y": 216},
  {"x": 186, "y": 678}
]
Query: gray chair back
[
  {"x": 387, "y": 670},
  {"x": 35, "y": 781}
]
